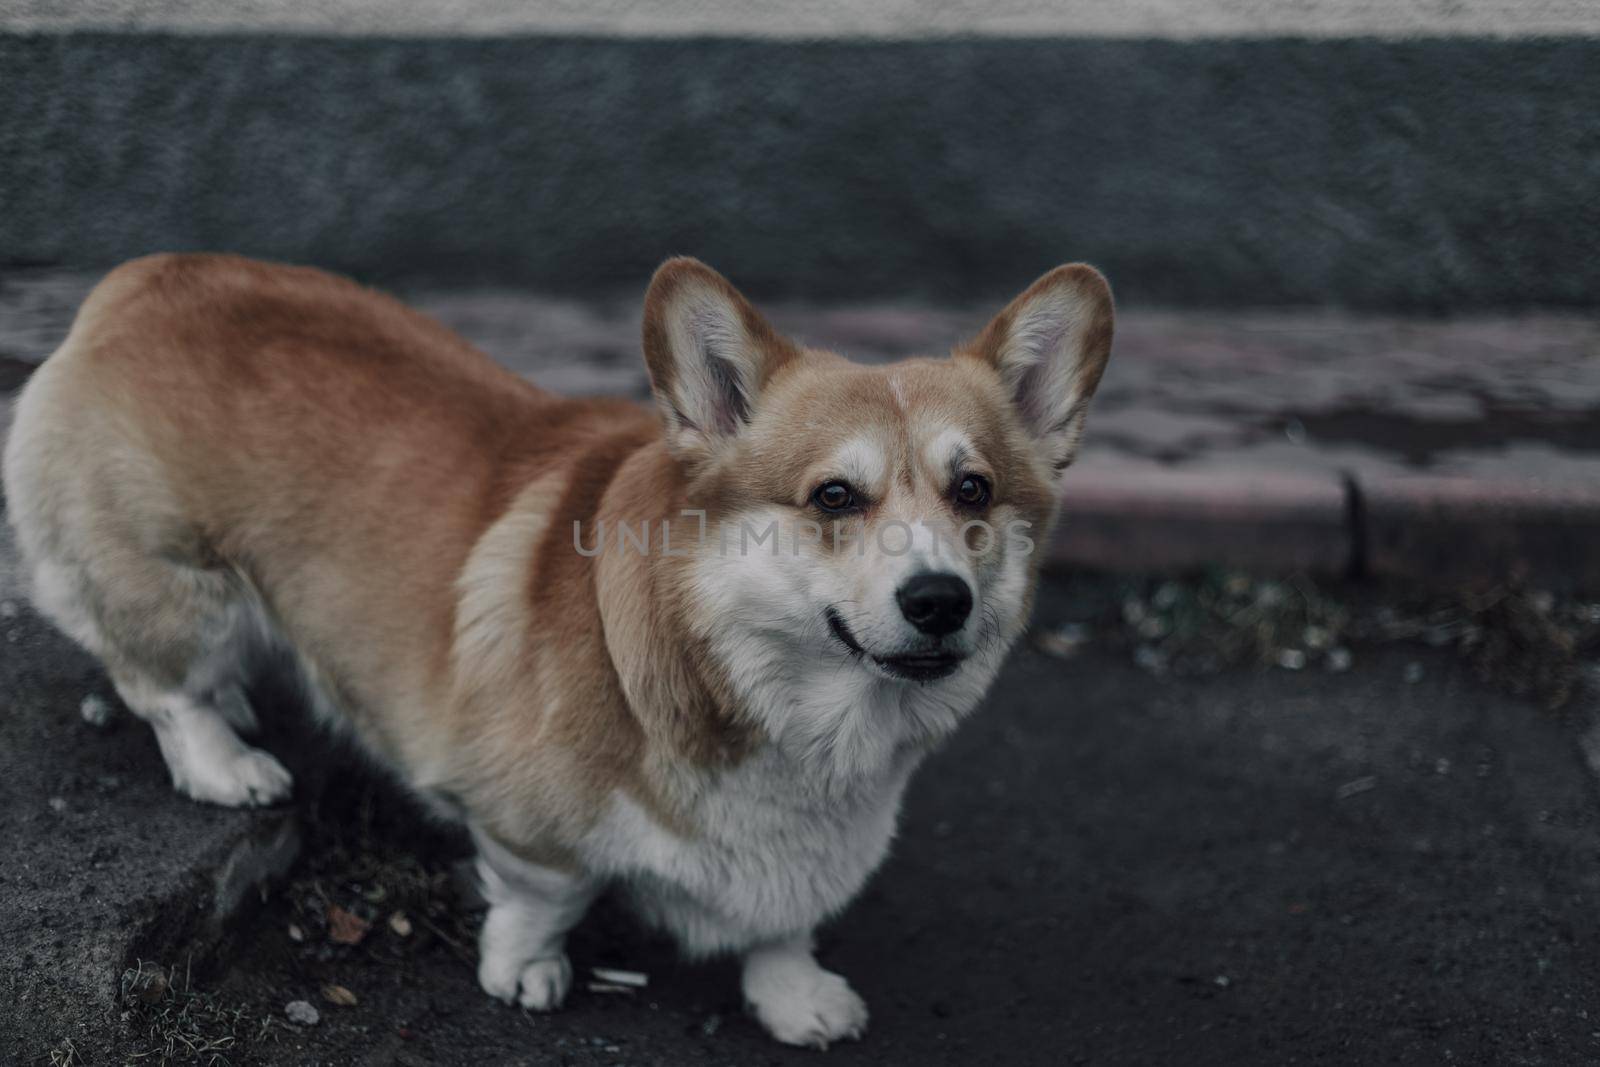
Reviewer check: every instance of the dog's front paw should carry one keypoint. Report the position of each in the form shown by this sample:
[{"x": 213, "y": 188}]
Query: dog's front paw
[
  {"x": 540, "y": 984},
  {"x": 806, "y": 1006}
]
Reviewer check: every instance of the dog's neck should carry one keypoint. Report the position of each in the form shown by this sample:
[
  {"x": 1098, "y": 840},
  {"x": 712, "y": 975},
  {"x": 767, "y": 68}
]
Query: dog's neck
[{"x": 675, "y": 689}]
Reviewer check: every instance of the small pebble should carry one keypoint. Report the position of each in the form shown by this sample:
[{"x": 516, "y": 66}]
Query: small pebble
[
  {"x": 1062, "y": 642},
  {"x": 1291, "y": 659},
  {"x": 300, "y": 1011},
  {"x": 95, "y": 711},
  {"x": 1413, "y": 673},
  {"x": 1339, "y": 659},
  {"x": 1150, "y": 659},
  {"x": 400, "y": 924},
  {"x": 338, "y": 995},
  {"x": 58, "y": 805},
  {"x": 1355, "y": 787}
]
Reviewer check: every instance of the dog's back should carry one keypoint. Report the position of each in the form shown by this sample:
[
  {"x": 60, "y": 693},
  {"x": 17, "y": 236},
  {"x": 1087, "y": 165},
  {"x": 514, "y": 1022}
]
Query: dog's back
[{"x": 213, "y": 452}]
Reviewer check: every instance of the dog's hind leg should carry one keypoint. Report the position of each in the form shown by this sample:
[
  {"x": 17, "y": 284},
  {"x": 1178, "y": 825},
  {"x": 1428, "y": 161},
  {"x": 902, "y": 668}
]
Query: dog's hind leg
[
  {"x": 118, "y": 563},
  {"x": 180, "y": 667},
  {"x": 177, "y": 643}
]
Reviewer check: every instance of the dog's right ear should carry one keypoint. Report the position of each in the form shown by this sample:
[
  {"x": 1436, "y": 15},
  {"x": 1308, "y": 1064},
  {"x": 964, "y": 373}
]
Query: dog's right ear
[
  {"x": 710, "y": 354},
  {"x": 1050, "y": 346}
]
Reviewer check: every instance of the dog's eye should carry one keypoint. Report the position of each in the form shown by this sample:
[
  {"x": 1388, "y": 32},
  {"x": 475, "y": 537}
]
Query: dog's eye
[
  {"x": 972, "y": 491},
  {"x": 834, "y": 496}
]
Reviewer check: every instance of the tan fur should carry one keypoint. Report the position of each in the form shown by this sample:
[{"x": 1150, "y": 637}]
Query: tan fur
[{"x": 347, "y": 457}]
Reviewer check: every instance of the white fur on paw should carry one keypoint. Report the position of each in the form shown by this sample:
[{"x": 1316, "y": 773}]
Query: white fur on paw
[
  {"x": 545, "y": 983},
  {"x": 810, "y": 1009},
  {"x": 252, "y": 778},
  {"x": 541, "y": 985}
]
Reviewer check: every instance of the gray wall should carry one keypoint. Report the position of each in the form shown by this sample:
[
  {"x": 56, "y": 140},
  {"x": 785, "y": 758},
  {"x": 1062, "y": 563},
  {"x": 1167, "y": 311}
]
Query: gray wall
[{"x": 1451, "y": 173}]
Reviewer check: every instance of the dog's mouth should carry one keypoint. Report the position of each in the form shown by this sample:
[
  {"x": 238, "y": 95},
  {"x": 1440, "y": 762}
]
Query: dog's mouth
[{"x": 925, "y": 666}]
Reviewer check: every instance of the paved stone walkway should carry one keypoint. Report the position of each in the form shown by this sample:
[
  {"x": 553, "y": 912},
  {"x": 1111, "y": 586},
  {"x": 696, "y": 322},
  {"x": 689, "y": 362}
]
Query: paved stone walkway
[{"x": 1237, "y": 438}]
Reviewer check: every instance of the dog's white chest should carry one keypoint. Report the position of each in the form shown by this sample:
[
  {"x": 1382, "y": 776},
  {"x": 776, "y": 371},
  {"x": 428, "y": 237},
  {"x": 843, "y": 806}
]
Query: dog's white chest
[{"x": 771, "y": 858}]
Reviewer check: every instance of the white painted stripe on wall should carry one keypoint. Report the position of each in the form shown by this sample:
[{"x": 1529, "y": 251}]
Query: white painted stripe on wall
[{"x": 803, "y": 19}]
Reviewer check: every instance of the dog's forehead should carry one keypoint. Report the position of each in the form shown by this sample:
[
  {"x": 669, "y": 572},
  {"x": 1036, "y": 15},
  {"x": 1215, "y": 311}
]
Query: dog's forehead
[
  {"x": 914, "y": 398},
  {"x": 911, "y": 421}
]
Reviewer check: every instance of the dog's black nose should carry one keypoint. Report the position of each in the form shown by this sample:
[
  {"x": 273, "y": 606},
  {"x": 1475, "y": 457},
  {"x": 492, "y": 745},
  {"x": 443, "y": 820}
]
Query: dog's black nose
[{"x": 935, "y": 603}]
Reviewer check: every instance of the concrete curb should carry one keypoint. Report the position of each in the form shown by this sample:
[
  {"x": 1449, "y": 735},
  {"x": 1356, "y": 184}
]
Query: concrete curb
[
  {"x": 1435, "y": 530},
  {"x": 1171, "y": 518},
  {"x": 1465, "y": 529}
]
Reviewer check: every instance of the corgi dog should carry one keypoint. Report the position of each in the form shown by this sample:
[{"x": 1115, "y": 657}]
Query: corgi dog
[{"x": 692, "y": 652}]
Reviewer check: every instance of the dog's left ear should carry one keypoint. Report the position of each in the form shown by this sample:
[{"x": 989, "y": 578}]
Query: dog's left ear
[
  {"x": 1050, "y": 346},
  {"x": 710, "y": 354}
]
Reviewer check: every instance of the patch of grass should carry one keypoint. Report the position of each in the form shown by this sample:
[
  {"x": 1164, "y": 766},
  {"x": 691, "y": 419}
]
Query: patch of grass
[
  {"x": 1219, "y": 620},
  {"x": 172, "y": 1022},
  {"x": 66, "y": 1055},
  {"x": 1529, "y": 642},
  {"x": 369, "y": 856}
]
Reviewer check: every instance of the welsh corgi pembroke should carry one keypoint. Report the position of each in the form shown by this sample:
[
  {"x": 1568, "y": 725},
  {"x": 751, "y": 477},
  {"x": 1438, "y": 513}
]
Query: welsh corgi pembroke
[{"x": 692, "y": 652}]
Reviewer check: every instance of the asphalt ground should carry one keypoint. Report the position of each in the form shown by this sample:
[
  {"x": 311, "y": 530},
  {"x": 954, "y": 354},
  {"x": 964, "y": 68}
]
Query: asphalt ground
[{"x": 1391, "y": 863}]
